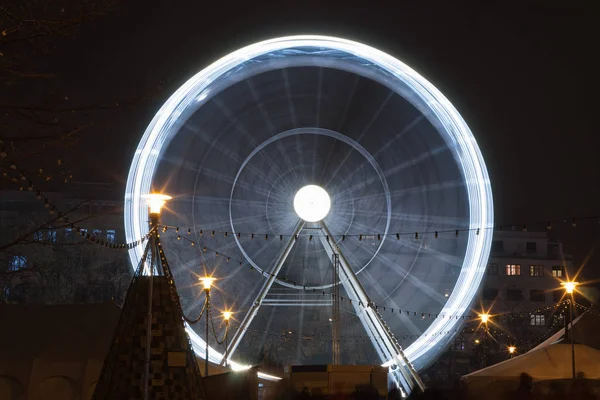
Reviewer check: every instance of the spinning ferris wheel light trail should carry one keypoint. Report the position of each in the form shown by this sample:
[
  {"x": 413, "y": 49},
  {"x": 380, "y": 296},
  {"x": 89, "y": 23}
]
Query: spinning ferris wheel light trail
[{"x": 239, "y": 141}]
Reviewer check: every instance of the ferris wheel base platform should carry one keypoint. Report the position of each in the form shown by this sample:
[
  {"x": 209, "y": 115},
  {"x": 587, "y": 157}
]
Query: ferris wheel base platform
[{"x": 338, "y": 379}]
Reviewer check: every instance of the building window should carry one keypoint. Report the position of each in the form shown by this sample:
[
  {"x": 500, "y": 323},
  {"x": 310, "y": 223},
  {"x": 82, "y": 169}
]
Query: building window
[
  {"x": 538, "y": 320},
  {"x": 531, "y": 247},
  {"x": 83, "y": 231},
  {"x": 536, "y": 270},
  {"x": 17, "y": 263},
  {"x": 537, "y": 295},
  {"x": 497, "y": 246},
  {"x": 110, "y": 235},
  {"x": 96, "y": 233},
  {"x": 68, "y": 233},
  {"x": 513, "y": 269},
  {"x": 51, "y": 235},
  {"x": 492, "y": 269},
  {"x": 558, "y": 271},
  {"x": 513, "y": 295},
  {"x": 38, "y": 236},
  {"x": 489, "y": 294}
]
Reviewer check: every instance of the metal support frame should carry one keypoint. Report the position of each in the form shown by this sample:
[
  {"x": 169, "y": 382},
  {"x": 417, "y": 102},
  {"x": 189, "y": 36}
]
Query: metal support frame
[
  {"x": 335, "y": 310},
  {"x": 381, "y": 337},
  {"x": 239, "y": 334}
]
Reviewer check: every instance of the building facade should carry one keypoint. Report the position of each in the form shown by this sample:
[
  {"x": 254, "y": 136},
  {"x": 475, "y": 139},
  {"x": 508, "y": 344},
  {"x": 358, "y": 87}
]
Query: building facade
[
  {"x": 45, "y": 260},
  {"x": 521, "y": 292}
]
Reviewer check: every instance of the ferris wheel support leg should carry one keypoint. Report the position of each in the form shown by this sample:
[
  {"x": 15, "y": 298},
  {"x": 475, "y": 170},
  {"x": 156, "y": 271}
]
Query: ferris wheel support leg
[
  {"x": 239, "y": 334},
  {"x": 382, "y": 337}
]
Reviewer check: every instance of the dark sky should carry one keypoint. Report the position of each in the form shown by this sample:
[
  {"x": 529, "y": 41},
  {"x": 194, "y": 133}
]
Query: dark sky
[{"x": 524, "y": 77}]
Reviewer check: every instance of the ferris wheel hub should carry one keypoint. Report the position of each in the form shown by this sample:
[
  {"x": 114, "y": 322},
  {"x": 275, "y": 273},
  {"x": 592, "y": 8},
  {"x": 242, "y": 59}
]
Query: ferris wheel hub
[{"x": 312, "y": 203}]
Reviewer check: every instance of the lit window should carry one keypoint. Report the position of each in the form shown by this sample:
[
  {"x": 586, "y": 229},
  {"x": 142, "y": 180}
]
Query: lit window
[
  {"x": 537, "y": 295},
  {"x": 96, "y": 233},
  {"x": 110, "y": 235},
  {"x": 492, "y": 269},
  {"x": 51, "y": 235},
  {"x": 513, "y": 269},
  {"x": 538, "y": 320},
  {"x": 38, "y": 236},
  {"x": 17, "y": 263},
  {"x": 68, "y": 233},
  {"x": 83, "y": 231},
  {"x": 558, "y": 271},
  {"x": 536, "y": 270}
]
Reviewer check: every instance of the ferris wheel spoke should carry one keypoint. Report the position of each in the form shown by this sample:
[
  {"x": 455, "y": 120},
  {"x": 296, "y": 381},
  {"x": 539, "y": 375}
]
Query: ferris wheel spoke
[
  {"x": 387, "y": 145},
  {"x": 268, "y": 122},
  {"x": 317, "y": 122},
  {"x": 224, "y": 149},
  {"x": 397, "y": 168},
  {"x": 341, "y": 123},
  {"x": 288, "y": 93},
  {"x": 415, "y": 281},
  {"x": 247, "y": 134},
  {"x": 362, "y": 134}
]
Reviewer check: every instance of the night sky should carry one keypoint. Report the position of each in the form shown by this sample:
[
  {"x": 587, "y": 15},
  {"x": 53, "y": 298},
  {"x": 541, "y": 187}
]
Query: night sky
[{"x": 524, "y": 78}]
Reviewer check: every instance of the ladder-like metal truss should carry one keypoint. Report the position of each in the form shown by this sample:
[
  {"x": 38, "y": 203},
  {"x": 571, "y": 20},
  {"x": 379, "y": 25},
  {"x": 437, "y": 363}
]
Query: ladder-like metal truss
[
  {"x": 383, "y": 340},
  {"x": 335, "y": 311}
]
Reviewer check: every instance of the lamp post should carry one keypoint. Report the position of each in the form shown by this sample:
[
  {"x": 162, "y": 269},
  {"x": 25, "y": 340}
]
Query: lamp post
[
  {"x": 484, "y": 320},
  {"x": 511, "y": 351},
  {"x": 156, "y": 202},
  {"x": 207, "y": 282},
  {"x": 226, "y": 316},
  {"x": 570, "y": 288}
]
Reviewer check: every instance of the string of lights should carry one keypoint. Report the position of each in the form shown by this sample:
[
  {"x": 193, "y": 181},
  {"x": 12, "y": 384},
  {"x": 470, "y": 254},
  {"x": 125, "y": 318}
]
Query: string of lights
[
  {"x": 379, "y": 307},
  {"x": 437, "y": 233},
  {"x": 54, "y": 210}
]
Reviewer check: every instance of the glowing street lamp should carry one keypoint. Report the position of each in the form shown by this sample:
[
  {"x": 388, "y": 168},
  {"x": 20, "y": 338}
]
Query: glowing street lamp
[
  {"x": 156, "y": 201},
  {"x": 207, "y": 282},
  {"x": 570, "y": 288},
  {"x": 512, "y": 350},
  {"x": 484, "y": 318},
  {"x": 226, "y": 317}
]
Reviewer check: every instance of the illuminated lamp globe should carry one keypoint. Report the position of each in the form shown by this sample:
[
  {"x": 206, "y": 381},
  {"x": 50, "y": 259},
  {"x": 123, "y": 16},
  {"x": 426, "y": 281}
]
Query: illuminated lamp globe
[{"x": 312, "y": 203}]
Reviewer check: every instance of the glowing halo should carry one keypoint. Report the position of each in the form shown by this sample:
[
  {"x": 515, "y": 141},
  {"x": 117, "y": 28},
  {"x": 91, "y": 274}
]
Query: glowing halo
[
  {"x": 420, "y": 93},
  {"x": 312, "y": 203}
]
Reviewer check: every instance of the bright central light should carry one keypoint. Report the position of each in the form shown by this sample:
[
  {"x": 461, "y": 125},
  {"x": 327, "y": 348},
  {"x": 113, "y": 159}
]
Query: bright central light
[
  {"x": 312, "y": 203},
  {"x": 484, "y": 318},
  {"x": 207, "y": 282},
  {"x": 570, "y": 286}
]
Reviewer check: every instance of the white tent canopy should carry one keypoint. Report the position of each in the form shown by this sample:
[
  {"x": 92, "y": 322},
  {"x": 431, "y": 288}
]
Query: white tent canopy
[{"x": 549, "y": 362}]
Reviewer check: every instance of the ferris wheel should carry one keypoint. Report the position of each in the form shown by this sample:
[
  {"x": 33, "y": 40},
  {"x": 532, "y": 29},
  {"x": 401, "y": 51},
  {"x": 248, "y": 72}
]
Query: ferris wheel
[{"x": 299, "y": 155}]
